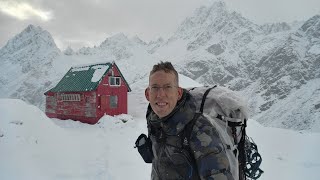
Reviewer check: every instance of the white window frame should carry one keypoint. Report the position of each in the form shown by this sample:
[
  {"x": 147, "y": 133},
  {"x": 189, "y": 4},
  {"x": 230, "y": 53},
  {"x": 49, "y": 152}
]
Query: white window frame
[
  {"x": 114, "y": 79},
  {"x": 70, "y": 97}
]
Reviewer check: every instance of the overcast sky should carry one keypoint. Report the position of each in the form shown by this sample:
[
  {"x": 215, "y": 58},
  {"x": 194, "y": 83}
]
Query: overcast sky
[{"x": 79, "y": 23}]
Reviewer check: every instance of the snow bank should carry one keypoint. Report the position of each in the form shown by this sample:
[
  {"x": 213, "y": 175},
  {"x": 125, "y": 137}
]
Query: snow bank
[
  {"x": 286, "y": 154},
  {"x": 36, "y": 147}
]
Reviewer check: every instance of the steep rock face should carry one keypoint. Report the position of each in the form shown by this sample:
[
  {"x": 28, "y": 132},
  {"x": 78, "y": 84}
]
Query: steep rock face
[
  {"x": 203, "y": 17},
  {"x": 288, "y": 66},
  {"x": 26, "y": 61},
  {"x": 152, "y": 46},
  {"x": 300, "y": 110},
  {"x": 275, "y": 27},
  {"x": 312, "y": 27},
  {"x": 212, "y": 38},
  {"x": 271, "y": 61},
  {"x": 215, "y": 24}
]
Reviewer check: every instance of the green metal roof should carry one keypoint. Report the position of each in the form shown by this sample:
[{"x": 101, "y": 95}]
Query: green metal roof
[{"x": 84, "y": 78}]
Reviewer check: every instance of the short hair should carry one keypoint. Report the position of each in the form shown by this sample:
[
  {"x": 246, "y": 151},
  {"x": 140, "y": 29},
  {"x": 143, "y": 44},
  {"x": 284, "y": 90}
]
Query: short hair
[{"x": 166, "y": 67}]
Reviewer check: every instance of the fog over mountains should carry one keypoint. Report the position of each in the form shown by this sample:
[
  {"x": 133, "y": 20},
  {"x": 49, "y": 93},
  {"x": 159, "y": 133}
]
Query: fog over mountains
[{"x": 275, "y": 66}]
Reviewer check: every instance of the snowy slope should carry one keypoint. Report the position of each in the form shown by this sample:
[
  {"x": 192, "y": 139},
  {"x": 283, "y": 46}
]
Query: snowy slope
[
  {"x": 299, "y": 111},
  {"x": 286, "y": 154},
  {"x": 36, "y": 147}
]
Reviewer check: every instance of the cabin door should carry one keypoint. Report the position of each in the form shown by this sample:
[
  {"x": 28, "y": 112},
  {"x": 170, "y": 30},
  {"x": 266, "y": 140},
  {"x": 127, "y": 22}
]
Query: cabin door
[
  {"x": 110, "y": 103},
  {"x": 113, "y": 104},
  {"x": 104, "y": 103}
]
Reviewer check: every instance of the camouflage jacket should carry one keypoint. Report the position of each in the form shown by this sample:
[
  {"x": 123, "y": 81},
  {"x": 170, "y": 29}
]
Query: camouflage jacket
[{"x": 207, "y": 159}]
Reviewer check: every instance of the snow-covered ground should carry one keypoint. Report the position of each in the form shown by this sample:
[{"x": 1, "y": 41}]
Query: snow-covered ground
[
  {"x": 33, "y": 146},
  {"x": 36, "y": 147}
]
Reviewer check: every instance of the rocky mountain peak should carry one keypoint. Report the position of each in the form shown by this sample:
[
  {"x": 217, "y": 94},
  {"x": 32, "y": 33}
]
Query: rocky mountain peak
[
  {"x": 312, "y": 27},
  {"x": 138, "y": 40},
  {"x": 215, "y": 8},
  {"x": 26, "y": 60},
  {"x": 212, "y": 21},
  {"x": 31, "y": 28},
  {"x": 118, "y": 38},
  {"x": 32, "y": 38},
  {"x": 203, "y": 17}
]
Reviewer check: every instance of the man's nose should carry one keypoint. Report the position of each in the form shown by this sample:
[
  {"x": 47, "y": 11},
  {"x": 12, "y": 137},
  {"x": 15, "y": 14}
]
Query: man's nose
[{"x": 161, "y": 92}]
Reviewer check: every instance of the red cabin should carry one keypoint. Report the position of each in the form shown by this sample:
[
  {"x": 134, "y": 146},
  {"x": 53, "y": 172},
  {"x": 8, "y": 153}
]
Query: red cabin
[{"x": 88, "y": 92}]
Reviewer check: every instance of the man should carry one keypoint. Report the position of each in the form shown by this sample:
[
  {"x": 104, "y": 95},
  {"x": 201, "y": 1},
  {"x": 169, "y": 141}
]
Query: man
[{"x": 170, "y": 110}]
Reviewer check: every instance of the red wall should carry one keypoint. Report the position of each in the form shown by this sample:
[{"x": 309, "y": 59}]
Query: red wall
[
  {"x": 83, "y": 110},
  {"x": 104, "y": 91}
]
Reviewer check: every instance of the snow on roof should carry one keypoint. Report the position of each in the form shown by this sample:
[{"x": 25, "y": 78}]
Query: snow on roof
[
  {"x": 92, "y": 64},
  {"x": 100, "y": 69},
  {"x": 99, "y": 72},
  {"x": 80, "y": 69}
]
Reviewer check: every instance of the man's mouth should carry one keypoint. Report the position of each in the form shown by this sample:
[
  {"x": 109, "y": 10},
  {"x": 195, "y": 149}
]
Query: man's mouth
[{"x": 161, "y": 104}]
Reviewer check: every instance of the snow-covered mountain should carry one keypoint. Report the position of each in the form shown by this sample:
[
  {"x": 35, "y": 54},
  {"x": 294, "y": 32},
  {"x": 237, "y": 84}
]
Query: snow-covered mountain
[
  {"x": 268, "y": 64},
  {"x": 115, "y": 47},
  {"x": 292, "y": 62},
  {"x": 26, "y": 62},
  {"x": 206, "y": 45}
]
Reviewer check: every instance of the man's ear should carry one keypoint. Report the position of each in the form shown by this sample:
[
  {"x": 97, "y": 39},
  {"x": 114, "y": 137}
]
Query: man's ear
[
  {"x": 180, "y": 92},
  {"x": 146, "y": 93}
]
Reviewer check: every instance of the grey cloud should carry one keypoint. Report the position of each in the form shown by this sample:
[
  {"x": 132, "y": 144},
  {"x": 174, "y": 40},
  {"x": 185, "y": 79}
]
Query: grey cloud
[{"x": 88, "y": 22}]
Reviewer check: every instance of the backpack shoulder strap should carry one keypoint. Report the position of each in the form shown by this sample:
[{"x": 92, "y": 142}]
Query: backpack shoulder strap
[
  {"x": 189, "y": 127},
  {"x": 204, "y": 97},
  {"x": 187, "y": 131}
]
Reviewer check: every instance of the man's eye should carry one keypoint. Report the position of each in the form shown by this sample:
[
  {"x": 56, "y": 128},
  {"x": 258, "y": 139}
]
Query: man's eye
[{"x": 168, "y": 87}]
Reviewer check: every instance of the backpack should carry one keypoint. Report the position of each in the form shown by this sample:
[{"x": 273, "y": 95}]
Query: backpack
[{"x": 228, "y": 114}]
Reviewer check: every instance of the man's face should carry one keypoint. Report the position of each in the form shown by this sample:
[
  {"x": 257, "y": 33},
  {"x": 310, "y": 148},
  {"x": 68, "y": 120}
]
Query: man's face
[{"x": 163, "y": 93}]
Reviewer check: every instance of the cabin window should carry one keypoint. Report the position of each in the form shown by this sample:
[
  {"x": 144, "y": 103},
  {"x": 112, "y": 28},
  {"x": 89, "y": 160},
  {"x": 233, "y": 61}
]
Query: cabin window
[
  {"x": 113, "y": 101},
  {"x": 70, "y": 97},
  {"x": 114, "y": 81}
]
